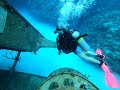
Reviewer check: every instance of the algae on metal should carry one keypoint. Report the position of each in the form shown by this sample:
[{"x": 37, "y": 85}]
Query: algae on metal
[
  {"x": 67, "y": 79},
  {"x": 3, "y": 15},
  {"x": 19, "y": 35},
  {"x": 19, "y": 81}
]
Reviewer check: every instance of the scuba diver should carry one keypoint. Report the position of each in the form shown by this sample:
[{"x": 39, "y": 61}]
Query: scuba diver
[{"x": 71, "y": 41}]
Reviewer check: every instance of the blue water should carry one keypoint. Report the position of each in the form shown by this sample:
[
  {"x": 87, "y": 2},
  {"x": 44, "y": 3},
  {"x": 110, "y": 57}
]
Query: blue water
[{"x": 47, "y": 59}]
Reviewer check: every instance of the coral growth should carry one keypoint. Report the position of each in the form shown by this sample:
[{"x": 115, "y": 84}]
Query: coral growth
[{"x": 104, "y": 32}]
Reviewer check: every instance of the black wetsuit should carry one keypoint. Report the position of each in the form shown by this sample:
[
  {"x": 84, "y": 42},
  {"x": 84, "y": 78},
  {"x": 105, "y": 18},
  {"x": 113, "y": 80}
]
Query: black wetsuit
[{"x": 66, "y": 43}]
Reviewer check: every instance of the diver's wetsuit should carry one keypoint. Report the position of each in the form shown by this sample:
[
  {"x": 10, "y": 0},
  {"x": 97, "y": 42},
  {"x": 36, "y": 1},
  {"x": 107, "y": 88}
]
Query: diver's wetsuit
[{"x": 66, "y": 42}]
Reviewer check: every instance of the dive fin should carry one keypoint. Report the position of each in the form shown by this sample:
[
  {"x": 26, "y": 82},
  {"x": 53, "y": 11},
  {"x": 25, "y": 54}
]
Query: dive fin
[{"x": 111, "y": 81}]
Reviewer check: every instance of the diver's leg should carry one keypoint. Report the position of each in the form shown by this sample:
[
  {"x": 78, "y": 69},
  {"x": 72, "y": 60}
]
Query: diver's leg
[
  {"x": 90, "y": 53},
  {"x": 81, "y": 54},
  {"x": 86, "y": 48}
]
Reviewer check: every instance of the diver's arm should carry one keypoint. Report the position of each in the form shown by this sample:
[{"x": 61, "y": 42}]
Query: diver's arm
[{"x": 83, "y": 56}]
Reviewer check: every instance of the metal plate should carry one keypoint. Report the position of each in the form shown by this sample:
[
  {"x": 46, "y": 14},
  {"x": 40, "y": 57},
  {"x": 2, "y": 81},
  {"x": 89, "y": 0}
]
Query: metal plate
[{"x": 3, "y": 16}]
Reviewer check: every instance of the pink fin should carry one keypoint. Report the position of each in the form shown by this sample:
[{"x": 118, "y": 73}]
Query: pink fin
[
  {"x": 111, "y": 81},
  {"x": 99, "y": 51}
]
